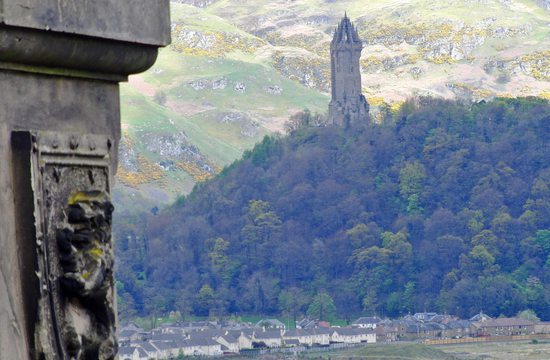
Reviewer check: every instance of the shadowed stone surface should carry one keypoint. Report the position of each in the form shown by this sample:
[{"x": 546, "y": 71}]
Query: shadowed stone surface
[
  {"x": 136, "y": 21},
  {"x": 60, "y": 64}
]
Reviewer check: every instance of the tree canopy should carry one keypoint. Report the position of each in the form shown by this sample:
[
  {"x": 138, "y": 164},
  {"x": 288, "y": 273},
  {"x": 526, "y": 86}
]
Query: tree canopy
[{"x": 442, "y": 206}]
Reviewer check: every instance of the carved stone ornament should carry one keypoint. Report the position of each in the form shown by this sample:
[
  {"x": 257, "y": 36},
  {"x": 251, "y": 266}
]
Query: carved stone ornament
[{"x": 73, "y": 217}]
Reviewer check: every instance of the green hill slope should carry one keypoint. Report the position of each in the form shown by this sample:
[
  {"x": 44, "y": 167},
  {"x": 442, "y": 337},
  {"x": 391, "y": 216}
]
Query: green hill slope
[
  {"x": 443, "y": 206},
  {"x": 209, "y": 97},
  {"x": 237, "y": 70}
]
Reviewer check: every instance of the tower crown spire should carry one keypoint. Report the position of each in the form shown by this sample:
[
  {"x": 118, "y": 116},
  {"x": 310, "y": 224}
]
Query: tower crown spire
[{"x": 346, "y": 32}]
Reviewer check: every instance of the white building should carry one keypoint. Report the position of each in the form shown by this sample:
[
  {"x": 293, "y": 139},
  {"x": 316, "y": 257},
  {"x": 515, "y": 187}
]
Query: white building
[
  {"x": 271, "y": 338},
  {"x": 367, "y": 322},
  {"x": 353, "y": 335}
]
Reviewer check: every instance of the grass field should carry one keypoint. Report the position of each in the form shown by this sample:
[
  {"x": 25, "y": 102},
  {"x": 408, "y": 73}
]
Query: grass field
[
  {"x": 519, "y": 350},
  {"x": 390, "y": 351}
]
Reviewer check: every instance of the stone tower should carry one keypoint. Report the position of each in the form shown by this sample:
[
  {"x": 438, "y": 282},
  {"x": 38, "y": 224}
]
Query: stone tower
[{"x": 347, "y": 105}]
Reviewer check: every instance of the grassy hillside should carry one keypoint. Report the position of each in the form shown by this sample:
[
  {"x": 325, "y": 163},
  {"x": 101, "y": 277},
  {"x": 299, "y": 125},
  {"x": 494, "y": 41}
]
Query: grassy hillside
[
  {"x": 210, "y": 96},
  {"x": 237, "y": 70}
]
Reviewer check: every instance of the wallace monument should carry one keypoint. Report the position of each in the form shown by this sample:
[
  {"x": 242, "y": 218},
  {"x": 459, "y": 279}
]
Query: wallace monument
[{"x": 347, "y": 105}]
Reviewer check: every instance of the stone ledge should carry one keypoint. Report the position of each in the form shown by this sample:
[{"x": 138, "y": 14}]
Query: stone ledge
[
  {"x": 136, "y": 21},
  {"x": 69, "y": 55}
]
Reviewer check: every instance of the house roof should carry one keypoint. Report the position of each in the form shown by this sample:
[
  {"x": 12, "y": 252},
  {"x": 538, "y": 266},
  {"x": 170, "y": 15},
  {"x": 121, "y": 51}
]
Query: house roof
[
  {"x": 345, "y": 331},
  {"x": 294, "y": 333},
  {"x": 507, "y": 322},
  {"x": 248, "y": 332},
  {"x": 233, "y": 333},
  {"x": 180, "y": 344},
  {"x": 126, "y": 333},
  {"x": 145, "y": 346},
  {"x": 131, "y": 326},
  {"x": 322, "y": 331},
  {"x": 363, "y": 331},
  {"x": 267, "y": 334},
  {"x": 433, "y": 326},
  {"x": 306, "y": 323},
  {"x": 166, "y": 337},
  {"x": 413, "y": 326},
  {"x": 142, "y": 353},
  {"x": 201, "y": 342},
  {"x": 312, "y": 332},
  {"x": 161, "y": 345},
  {"x": 441, "y": 318},
  {"x": 367, "y": 320},
  {"x": 208, "y": 333},
  {"x": 229, "y": 339},
  {"x": 166, "y": 325},
  {"x": 425, "y": 316},
  {"x": 126, "y": 350},
  {"x": 458, "y": 324},
  {"x": 385, "y": 329},
  {"x": 270, "y": 322},
  {"x": 480, "y": 317},
  {"x": 172, "y": 330}
]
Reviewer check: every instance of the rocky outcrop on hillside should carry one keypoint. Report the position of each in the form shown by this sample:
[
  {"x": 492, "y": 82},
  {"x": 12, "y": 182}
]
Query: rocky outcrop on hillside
[
  {"x": 374, "y": 64},
  {"x": 273, "y": 90},
  {"x": 127, "y": 156},
  {"x": 197, "y": 3},
  {"x": 311, "y": 71},
  {"x": 240, "y": 87},
  {"x": 210, "y": 43},
  {"x": 248, "y": 126},
  {"x": 222, "y": 82},
  {"x": 176, "y": 147},
  {"x": 443, "y": 42},
  {"x": 536, "y": 65},
  {"x": 219, "y": 83},
  {"x": 196, "y": 39},
  {"x": 174, "y": 151}
]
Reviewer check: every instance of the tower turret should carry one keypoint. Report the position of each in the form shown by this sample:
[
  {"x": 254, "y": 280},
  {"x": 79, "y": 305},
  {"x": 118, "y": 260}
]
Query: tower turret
[{"x": 347, "y": 105}]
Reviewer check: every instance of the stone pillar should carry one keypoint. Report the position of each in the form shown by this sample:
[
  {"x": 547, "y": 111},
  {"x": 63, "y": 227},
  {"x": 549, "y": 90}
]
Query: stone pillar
[{"x": 60, "y": 65}]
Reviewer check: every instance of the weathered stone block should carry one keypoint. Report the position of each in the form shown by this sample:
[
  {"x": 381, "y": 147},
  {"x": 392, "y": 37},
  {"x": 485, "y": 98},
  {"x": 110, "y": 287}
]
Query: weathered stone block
[
  {"x": 135, "y": 21},
  {"x": 60, "y": 64}
]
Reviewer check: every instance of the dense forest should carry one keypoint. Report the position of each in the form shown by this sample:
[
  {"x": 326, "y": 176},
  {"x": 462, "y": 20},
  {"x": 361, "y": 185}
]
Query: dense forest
[{"x": 443, "y": 206}]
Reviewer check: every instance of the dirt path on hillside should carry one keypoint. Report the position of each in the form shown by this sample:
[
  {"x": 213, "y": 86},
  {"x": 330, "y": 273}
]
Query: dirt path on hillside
[{"x": 140, "y": 85}]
